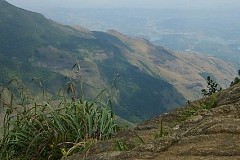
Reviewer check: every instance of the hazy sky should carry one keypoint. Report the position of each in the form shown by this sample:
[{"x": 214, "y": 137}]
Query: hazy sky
[{"x": 30, "y": 4}]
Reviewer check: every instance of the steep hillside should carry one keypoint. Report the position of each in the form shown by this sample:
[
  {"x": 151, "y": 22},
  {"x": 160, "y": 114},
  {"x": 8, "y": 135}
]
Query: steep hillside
[
  {"x": 205, "y": 129},
  {"x": 185, "y": 71},
  {"x": 35, "y": 47},
  {"x": 152, "y": 79}
]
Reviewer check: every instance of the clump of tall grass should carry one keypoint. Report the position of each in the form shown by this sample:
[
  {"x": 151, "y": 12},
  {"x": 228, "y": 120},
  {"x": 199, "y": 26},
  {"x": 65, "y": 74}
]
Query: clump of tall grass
[{"x": 53, "y": 129}]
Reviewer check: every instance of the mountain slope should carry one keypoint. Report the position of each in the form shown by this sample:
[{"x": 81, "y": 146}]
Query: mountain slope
[
  {"x": 205, "y": 129},
  {"x": 33, "y": 46},
  {"x": 152, "y": 79},
  {"x": 185, "y": 71}
]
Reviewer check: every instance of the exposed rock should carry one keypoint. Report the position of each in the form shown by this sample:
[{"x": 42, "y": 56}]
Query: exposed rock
[{"x": 197, "y": 131}]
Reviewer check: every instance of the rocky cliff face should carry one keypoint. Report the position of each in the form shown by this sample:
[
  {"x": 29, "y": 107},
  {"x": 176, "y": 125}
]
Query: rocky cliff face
[{"x": 205, "y": 129}]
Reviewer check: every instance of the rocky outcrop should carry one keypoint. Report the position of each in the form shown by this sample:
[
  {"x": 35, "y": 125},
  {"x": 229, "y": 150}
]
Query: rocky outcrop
[{"x": 205, "y": 129}]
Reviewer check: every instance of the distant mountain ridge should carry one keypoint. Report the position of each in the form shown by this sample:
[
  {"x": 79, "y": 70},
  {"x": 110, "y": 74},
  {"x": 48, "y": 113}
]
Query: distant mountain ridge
[
  {"x": 207, "y": 31},
  {"x": 151, "y": 78}
]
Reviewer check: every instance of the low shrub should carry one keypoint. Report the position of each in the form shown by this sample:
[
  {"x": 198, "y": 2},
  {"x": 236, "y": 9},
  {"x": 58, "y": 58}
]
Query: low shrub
[
  {"x": 212, "y": 87},
  {"x": 53, "y": 129}
]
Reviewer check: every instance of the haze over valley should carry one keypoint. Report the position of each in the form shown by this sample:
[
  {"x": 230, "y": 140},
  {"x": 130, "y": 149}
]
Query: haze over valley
[
  {"x": 207, "y": 27},
  {"x": 207, "y": 31}
]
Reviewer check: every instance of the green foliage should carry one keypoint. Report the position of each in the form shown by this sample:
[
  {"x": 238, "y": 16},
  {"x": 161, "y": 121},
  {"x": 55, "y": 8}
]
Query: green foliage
[
  {"x": 52, "y": 129},
  {"x": 212, "y": 86},
  {"x": 161, "y": 133},
  {"x": 236, "y": 80},
  {"x": 120, "y": 145},
  {"x": 186, "y": 114},
  {"x": 209, "y": 103}
]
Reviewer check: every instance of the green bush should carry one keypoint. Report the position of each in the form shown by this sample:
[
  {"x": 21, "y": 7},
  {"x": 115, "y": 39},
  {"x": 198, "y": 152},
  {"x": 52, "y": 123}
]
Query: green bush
[
  {"x": 236, "y": 80},
  {"x": 207, "y": 104},
  {"x": 212, "y": 87},
  {"x": 53, "y": 129}
]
